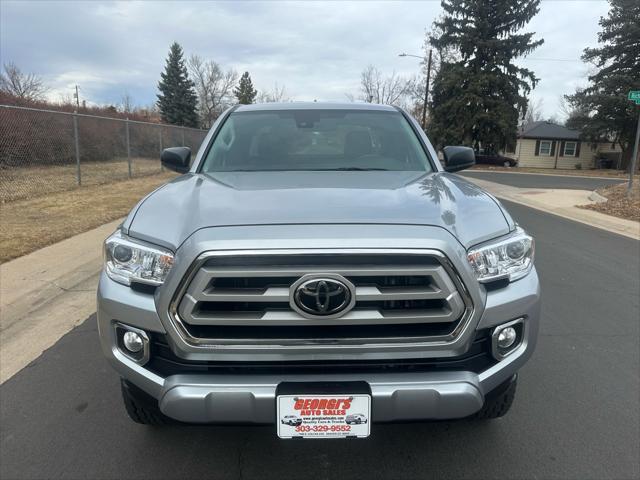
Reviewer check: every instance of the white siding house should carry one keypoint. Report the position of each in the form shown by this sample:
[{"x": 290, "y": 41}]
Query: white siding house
[{"x": 547, "y": 145}]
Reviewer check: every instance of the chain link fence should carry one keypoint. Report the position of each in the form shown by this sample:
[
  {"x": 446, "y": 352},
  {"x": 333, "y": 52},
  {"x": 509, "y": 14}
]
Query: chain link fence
[{"x": 45, "y": 151}]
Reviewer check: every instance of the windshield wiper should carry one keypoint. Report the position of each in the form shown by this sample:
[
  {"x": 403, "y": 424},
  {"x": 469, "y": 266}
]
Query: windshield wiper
[
  {"x": 337, "y": 169},
  {"x": 353, "y": 169}
]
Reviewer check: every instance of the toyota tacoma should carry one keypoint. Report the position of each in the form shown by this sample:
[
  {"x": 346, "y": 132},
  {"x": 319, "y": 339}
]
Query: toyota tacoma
[{"x": 317, "y": 260}]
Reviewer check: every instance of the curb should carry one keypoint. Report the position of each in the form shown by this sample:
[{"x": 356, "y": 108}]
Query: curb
[
  {"x": 45, "y": 294},
  {"x": 619, "y": 179}
]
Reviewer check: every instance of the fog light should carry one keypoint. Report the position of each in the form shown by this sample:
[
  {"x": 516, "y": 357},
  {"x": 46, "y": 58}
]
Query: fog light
[
  {"x": 506, "y": 337},
  {"x": 133, "y": 342}
]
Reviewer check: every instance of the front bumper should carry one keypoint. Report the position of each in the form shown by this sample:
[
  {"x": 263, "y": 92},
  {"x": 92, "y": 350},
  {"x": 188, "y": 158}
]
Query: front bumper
[
  {"x": 221, "y": 399},
  {"x": 215, "y": 398},
  {"x": 207, "y": 398}
]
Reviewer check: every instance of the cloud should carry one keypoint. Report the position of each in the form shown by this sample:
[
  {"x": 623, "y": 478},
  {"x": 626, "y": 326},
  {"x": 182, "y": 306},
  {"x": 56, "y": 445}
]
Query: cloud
[{"x": 316, "y": 49}]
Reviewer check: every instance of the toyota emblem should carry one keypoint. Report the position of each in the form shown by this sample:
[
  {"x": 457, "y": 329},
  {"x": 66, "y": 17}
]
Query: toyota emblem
[{"x": 322, "y": 296}]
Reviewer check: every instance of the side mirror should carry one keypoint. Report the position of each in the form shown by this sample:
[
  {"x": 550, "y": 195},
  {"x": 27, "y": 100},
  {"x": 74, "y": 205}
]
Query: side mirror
[
  {"x": 176, "y": 159},
  {"x": 458, "y": 158}
]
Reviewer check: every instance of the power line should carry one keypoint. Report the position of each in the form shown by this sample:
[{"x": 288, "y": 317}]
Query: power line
[{"x": 553, "y": 59}]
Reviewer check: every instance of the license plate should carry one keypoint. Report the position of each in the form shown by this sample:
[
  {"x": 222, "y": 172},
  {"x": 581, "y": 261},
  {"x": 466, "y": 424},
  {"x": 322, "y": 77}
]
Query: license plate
[{"x": 324, "y": 416}]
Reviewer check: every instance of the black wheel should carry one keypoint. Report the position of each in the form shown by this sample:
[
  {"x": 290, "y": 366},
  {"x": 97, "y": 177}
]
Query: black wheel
[
  {"x": 142, "y": 407},
  {"x": 507, "y": 163},
  {"x": 498, "y": 402}
]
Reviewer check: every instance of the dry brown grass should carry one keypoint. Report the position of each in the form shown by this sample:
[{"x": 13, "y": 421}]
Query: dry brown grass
[
  {"x": 30, "y": 224},
  {"x": 618, "y": 203},
  {"x": 554, "y": 171},
  {"x": 18, "y": 183}
]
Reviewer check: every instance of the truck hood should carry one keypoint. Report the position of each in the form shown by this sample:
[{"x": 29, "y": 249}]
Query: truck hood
[{"x": 191, "y": 202}]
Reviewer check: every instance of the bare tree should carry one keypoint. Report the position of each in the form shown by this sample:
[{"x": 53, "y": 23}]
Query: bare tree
[
  {"x": 149, "y": 112},
  {"x": 214, "y": 88},
  {"x": 391, "y": 90},
  {"x": 127, "y": 103},
  {"x": 277, "y": 95},
  {"x": 414, "y": 96},
  {"x": 27, "y": 86},
  {"x": 570, "y": 113},
  {"x": 66, "y": 98},
  {"x": 533, "y": 112}
]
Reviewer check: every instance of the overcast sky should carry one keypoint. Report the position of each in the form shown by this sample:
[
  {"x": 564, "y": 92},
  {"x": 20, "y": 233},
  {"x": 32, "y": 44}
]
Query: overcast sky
[{"x": 316, "y": 50}]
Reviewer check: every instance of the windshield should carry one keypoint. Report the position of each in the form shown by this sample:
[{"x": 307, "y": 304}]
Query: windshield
[{"x": 284, "y": 140}]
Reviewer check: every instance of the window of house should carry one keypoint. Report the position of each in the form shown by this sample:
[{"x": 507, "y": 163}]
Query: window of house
[
  {"x": 545, "y": 148},
  {"x": 569, "y": 149}
]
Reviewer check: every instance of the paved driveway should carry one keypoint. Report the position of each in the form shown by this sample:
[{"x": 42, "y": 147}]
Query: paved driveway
[
  {"x": 575, "y": 415},
  {"x": 530, "y": 180}
]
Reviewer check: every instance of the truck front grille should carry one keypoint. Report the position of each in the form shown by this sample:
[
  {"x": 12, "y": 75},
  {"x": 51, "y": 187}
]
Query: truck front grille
[{"x": 245, "y": 300}]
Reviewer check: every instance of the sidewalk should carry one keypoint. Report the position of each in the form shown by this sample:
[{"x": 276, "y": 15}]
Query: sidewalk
[
  {"x": 45, "y": 294},
  {"x": 563, "y": 203}
]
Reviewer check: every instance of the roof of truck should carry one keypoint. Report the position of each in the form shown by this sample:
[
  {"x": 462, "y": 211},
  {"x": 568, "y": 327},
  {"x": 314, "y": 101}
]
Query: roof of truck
[{"x": 314, "y": 106}]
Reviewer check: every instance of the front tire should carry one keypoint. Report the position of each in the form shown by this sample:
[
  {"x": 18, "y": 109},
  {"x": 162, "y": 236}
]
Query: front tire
[
  {"x": 142, "y": 407},
  {"x": 498, "y": 402}
]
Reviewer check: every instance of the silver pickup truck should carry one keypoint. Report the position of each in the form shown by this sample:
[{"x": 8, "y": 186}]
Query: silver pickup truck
[{"x": 314, "y": 249}]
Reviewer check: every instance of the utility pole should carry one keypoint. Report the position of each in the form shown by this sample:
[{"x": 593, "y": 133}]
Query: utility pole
[
  {"x": 634, "y": 158},
  {"x": 426, "y": 92},
  {"x": 77, "y": 99},
  {"x": 634, "y": 96}
]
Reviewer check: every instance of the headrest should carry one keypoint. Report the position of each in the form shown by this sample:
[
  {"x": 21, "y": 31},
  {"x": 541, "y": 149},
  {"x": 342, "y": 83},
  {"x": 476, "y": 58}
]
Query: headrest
[{"x": 357, "y": 143}]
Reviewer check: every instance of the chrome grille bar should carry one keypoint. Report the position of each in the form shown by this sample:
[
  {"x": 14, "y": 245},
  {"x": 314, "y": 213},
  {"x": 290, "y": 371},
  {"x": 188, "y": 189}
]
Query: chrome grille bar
[
  {"x": 402, "y": 341},
  {"x": 393, "y": 300}
]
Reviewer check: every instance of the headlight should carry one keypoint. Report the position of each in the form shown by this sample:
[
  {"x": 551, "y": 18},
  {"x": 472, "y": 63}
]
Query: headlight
[
  {"x": 127, "y": 261},
  {"x": 509, "y": 257}
]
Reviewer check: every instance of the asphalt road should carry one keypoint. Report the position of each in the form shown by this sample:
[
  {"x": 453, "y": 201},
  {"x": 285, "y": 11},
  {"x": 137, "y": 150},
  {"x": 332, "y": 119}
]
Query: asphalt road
[
  {"x": 576, "y": 414},
  {"x": 529, "y": 180}
]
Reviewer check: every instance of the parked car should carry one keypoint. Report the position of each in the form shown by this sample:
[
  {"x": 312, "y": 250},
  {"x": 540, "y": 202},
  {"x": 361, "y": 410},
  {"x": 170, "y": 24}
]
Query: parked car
[
  {"x": 291, "y": 420},
  {"x": 305, "y": 238},
  {"x": 355, "y": 419},
  {"x": 495, "y": 159}
]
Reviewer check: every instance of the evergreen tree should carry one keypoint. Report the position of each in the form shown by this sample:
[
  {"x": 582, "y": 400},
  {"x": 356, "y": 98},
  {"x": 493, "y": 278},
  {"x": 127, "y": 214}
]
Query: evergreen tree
[
  {"x": 177, "y": 98},
  {"x": 602, "y": 110},
  {"x": 244, "y": 92},
  {"x": 478, "y": 90}
]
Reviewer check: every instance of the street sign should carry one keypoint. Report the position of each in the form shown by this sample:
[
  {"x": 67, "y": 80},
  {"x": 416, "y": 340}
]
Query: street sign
[{"x": 634, "y": 96}]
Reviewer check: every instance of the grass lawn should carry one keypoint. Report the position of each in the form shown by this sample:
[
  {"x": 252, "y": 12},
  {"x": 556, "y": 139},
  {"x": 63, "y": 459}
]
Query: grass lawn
[
  {"x": 33, "y": 223},
  {"x": 19, "y": 183}
]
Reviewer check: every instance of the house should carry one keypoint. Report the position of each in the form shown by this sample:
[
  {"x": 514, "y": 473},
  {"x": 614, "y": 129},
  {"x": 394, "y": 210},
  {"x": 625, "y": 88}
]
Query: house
[{"x": 547, "y": 145}]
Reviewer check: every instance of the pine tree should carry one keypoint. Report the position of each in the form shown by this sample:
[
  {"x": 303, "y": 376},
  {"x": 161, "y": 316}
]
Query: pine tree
[
  {"x": 478, "y": 91},
  {"x": 602, "y": 109},
  {"x": 244, "y": 92},
  {"x": 177, "y": 98}
]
